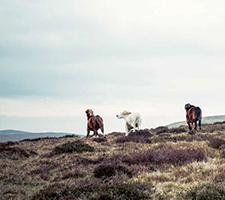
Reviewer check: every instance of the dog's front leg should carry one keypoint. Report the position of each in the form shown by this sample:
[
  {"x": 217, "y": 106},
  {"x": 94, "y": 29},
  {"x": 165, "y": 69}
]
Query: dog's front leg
[{"x": 126, "y": 129}]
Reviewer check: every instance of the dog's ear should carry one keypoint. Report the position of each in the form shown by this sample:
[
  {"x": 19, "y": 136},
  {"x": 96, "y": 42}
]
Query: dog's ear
[{"x": 125, "y": 112}]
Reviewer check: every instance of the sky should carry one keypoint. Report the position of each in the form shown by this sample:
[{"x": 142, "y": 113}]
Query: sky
[{"x": 59, "y": 58}]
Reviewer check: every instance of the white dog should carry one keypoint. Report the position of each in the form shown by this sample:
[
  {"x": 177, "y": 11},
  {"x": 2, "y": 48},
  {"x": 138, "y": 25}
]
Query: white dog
[{"x": 133, "y": 120}]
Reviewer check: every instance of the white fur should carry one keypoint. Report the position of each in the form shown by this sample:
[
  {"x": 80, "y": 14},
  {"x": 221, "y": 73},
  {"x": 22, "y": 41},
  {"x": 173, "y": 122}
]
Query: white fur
[{"x": 131, "y": 118}]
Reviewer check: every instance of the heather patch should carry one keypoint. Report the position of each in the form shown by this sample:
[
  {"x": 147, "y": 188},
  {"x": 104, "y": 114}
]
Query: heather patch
[
  {"x": 164, "y": 129},
  {"x": 97, "y": 191},
  {"x": 180, "y": 129},
  {"x": 141, "y": 136},
  {"x": 15, "y": 153},
  {"x": 70, "y": 147},
  {"x": 7, "y": 144},
  {"x": 165, "y": 156},
  {"x": 222, "y": 154},
  {"x": 160, "y": 129},
  {"x": 207, "y": 191},
  {"x": 100, "y": 139},
  {"x": 216, "y": 143},
  {"x": 108, "y": 170},
  {"x": 141, "y": 133},
  {"x": 116, "y": 134}
]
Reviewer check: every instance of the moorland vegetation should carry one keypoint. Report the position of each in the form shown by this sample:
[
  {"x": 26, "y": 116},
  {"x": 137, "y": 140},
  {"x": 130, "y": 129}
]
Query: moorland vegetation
[{"x": 158, "y": 163}]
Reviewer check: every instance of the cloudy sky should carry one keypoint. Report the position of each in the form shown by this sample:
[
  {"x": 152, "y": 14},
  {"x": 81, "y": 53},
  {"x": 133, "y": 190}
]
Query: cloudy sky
[{"x": 59, "y": 58}]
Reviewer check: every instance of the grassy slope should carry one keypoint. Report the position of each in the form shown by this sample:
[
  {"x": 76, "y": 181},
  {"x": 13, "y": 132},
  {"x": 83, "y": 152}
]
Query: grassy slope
[{"x": 166, "y": 164}]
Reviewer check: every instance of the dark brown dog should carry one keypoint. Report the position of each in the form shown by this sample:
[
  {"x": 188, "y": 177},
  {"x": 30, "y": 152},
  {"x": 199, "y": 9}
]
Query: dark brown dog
[
  {"x": 94, "y": 123},
  {"x": 193, "y": 114}
]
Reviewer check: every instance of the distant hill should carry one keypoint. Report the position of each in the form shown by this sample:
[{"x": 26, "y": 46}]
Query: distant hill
[
  {"x": 205, "y": 120},
  {"x": 12, "y": 132},
  {"x": 16, "y": 135}
]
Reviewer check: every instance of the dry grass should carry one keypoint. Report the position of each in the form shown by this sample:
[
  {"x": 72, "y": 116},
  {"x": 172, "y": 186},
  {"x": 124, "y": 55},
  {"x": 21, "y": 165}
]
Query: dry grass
[{"x": 156, "y": 164}]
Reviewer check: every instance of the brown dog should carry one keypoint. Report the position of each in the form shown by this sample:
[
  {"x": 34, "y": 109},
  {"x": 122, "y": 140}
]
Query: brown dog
[
  {"x": 94, "y": 123},
  {"x": 193, "y": 114}
]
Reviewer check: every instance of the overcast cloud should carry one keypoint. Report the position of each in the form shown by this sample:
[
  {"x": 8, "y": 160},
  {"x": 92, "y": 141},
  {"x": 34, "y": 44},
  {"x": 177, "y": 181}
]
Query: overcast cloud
[{"x": 59, "y": 58}]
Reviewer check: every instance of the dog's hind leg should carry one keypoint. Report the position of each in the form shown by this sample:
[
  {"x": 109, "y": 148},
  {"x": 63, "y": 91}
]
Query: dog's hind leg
[{"x": 200, "y": 124}]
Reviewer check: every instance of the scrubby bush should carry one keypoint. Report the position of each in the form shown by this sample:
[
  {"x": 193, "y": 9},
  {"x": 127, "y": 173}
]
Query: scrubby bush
[
  {"x": 73, "y": 174},
  {"x": 141, "y": 136},
  {"x": 218, "y": 126},
  {"x": 45, "y": 171},
  {"x": 222, "y": 154},
  {"x": 116, "y": 134},
  {"x": 165, "y": 156},
  {"x": 216, "y": 143},
  {"x": 164, "y": 129},
  {"x": 15, "y": 153},
  {"x": 69, "y": 147},
  {"x": 206, "y": 192},
  {"x": 136, "y": 139},
  {"x": 141, "y": 133},
  {"x": 100, "y": 139},
  {"x": 7, "y": 144},
  {"x": 44, "y": 138},
  {"x": 162, "y": 138},
  {"x": 220, "y": 177},
  {"x": 109, "y": 170},
  {"x": 180, "y": 129},
  {"x": 96, "y": 191},
  {"x": 160, "y": 129}
]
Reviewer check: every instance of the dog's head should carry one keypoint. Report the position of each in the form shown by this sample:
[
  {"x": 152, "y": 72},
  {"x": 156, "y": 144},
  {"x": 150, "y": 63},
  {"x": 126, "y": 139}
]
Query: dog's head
[
  {"x": 123, "y": 114},
  {"x": 187, "y": 106},
  {"x": 89, "y": 112}
]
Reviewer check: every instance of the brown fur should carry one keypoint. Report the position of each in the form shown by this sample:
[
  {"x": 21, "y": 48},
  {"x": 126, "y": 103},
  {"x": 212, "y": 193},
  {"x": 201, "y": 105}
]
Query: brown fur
[
  {"x": 94, "y": 123},
  {"x": 191, "y": 116}
]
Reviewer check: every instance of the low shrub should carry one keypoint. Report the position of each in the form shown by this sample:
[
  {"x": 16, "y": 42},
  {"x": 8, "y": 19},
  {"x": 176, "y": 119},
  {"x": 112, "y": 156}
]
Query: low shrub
[
  {"x": 220, "y": 177},
  {"x": 206, "y": 191},
  {"x": 96, "y": 191},
  {"x": 48, "y": 138},
  {"x": 116, "y": 134},
  {"x": 141, "y": 136},
  {"x": 141, "y": 133},
  {"x": 100, "y": 139},
  {"x": 15, "y": 153},
  {"x": 70, "y": 147},
  {"x": 223, "y": 122},
  {"x": 45, "y": 171},
  {"x": 73, "y": 174},
  {"x": 162, "y": 138},
  {"x": 180, "y": 129},
  {"x": 165, "y": 156},
  {"x": 136, "y": 139},
  {"x": 218, "y": 126},
  {"x": 7, "y": 144},
  {"x": 222, "y": 147},
  {"x": 216, "y": 143},
  {"x": 109, "y": 170},
  {"x": 222, "y": 154},
  {"x": 160, "y": 129}
]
